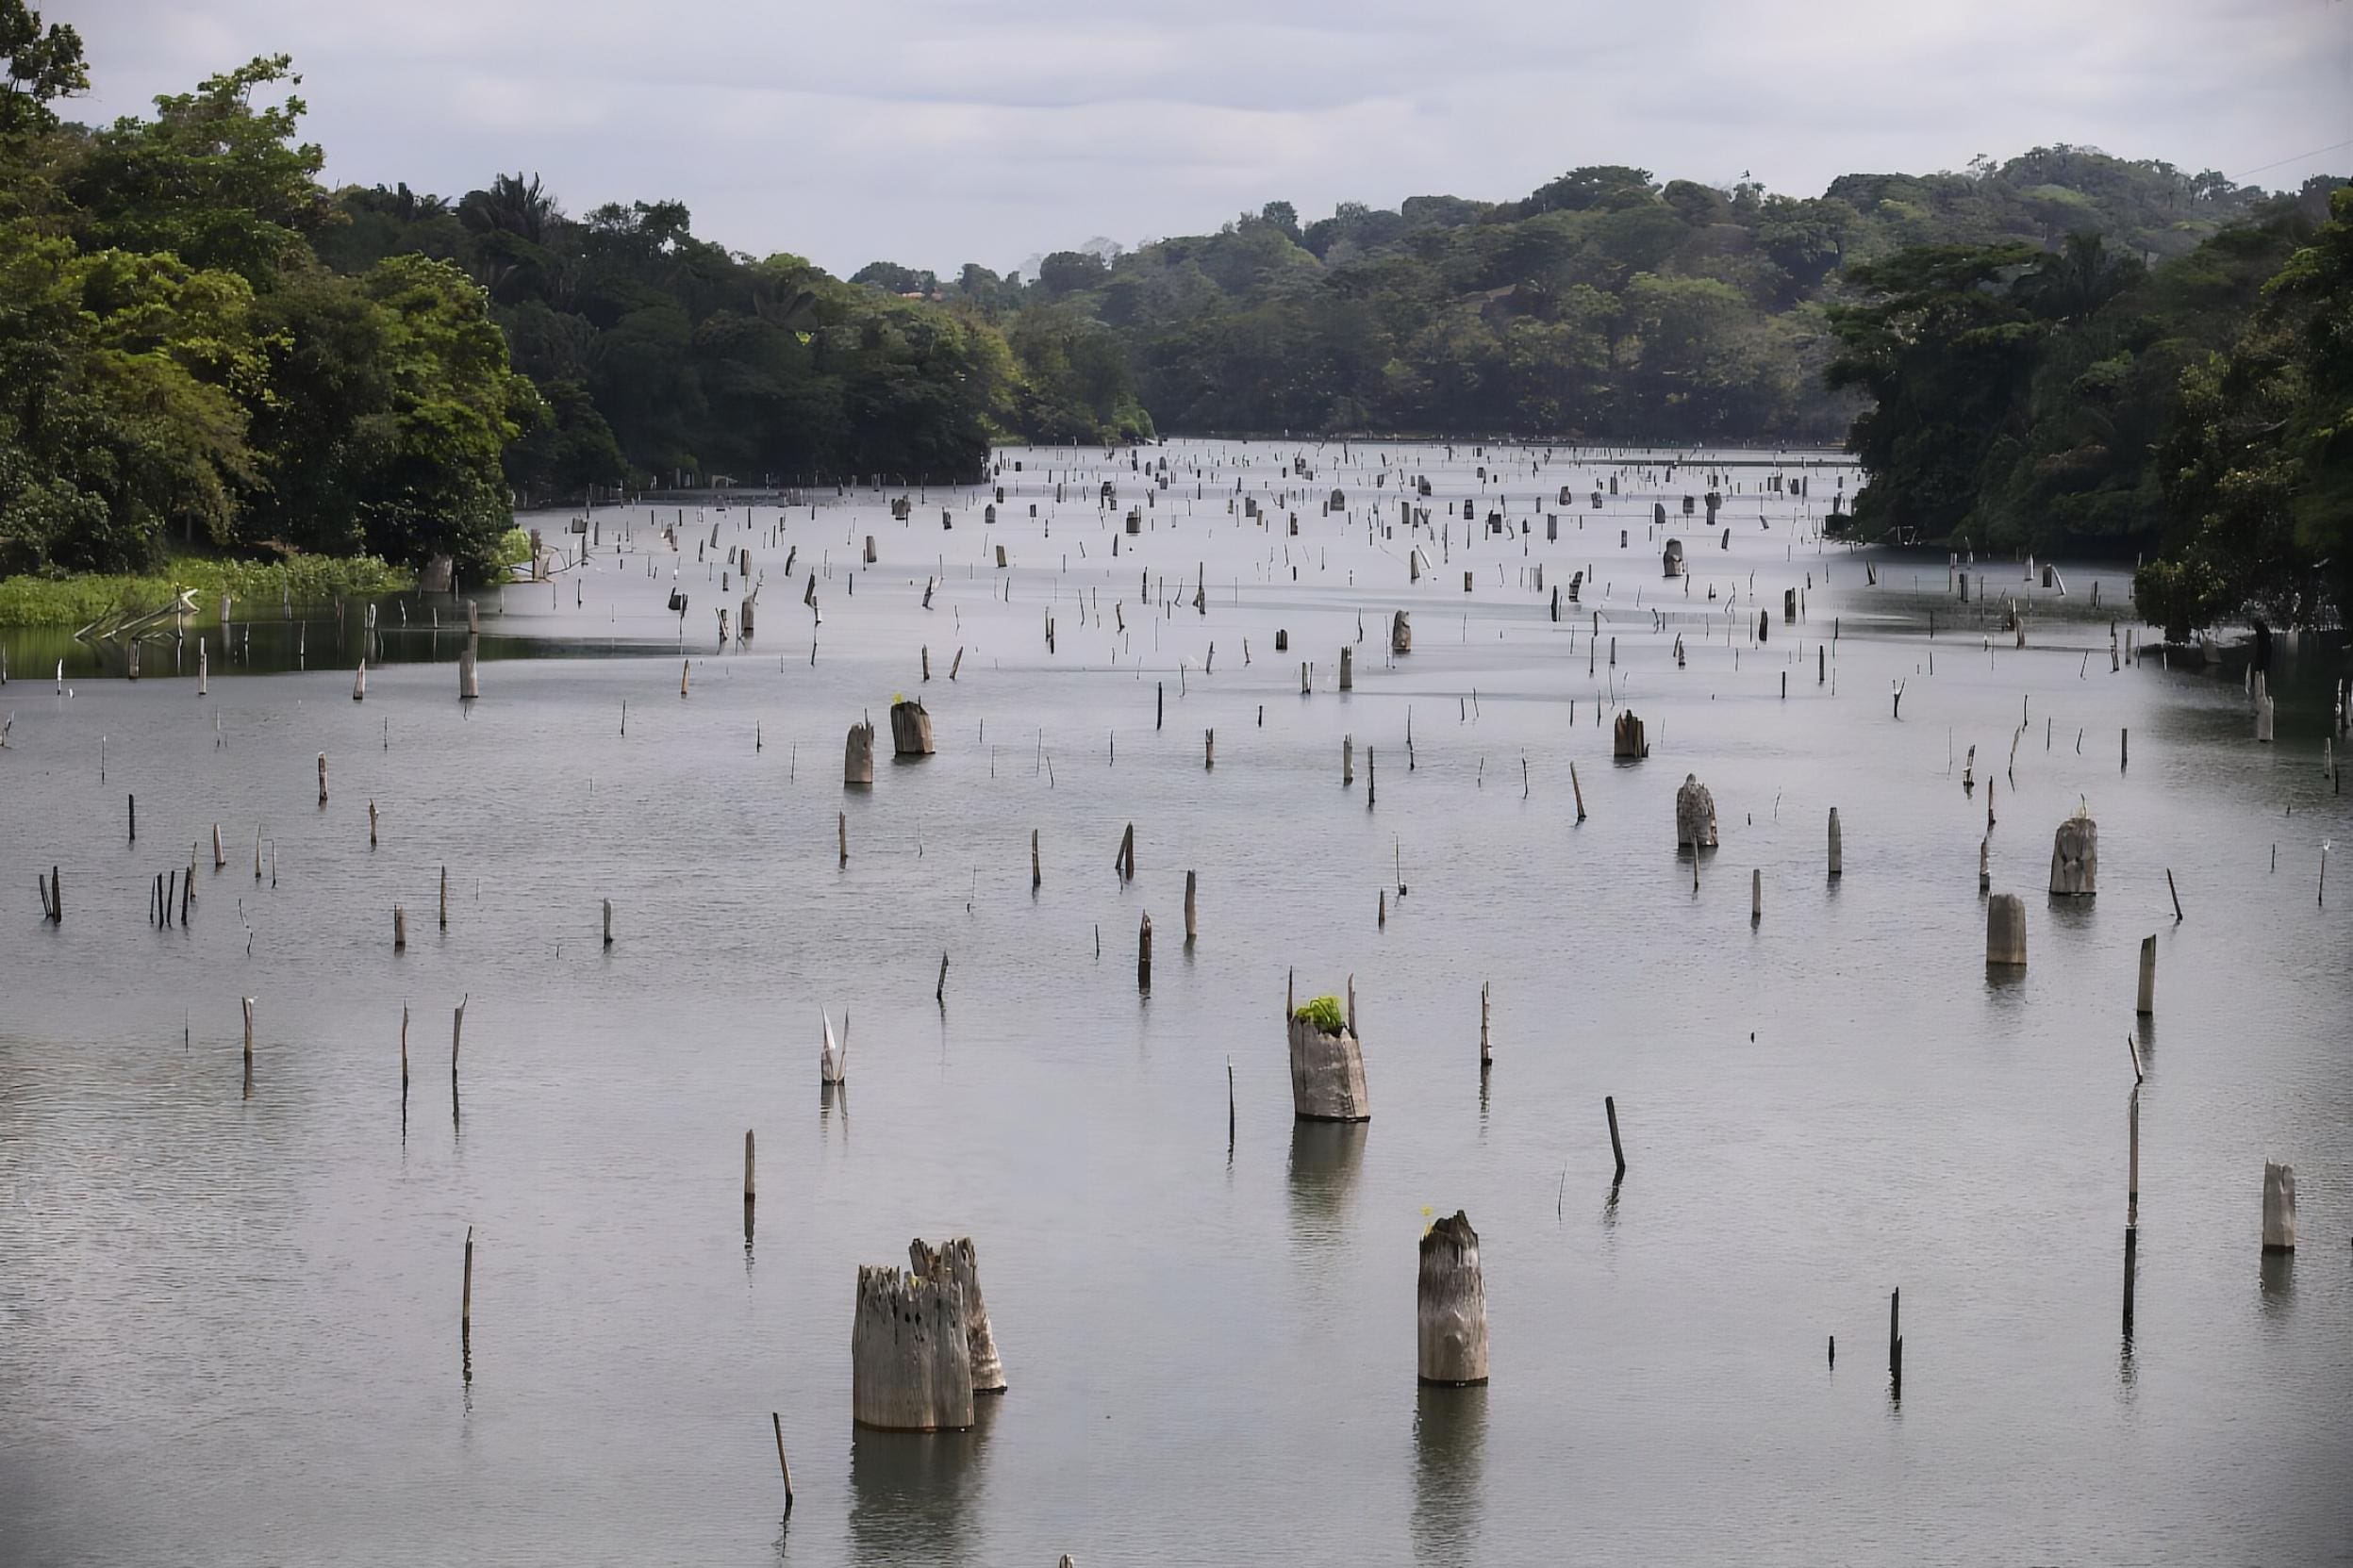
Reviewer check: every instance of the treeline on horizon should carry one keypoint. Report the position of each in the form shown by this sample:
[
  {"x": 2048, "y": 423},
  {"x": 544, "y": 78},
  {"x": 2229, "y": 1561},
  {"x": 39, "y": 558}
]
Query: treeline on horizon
[{"x": 204, "y": 347}]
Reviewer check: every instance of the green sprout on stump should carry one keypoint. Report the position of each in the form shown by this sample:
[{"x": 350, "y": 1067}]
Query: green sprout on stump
[{"x": 1325, "y": 1014}]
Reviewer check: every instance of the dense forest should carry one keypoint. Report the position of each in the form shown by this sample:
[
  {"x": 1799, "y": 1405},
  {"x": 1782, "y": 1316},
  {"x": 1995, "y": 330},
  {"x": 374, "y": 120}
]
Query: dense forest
[{"x": 203, "y": 347}]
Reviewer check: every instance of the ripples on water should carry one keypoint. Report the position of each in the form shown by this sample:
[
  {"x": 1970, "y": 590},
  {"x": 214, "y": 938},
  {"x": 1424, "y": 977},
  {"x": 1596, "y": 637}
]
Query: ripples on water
[{"x": 228, "y": 1319}]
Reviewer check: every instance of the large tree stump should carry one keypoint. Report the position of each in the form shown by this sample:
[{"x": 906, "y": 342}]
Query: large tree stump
[
  {"x": 857, "y": 755},
  {"x": 1451, "y": 1320},
  {"x": 2075, "y": 858},
  {"x": 1400, "y": 633},
  {"x": 2278, "y": 1207},
  {"x": 1626, "y": 736},
  {"x": 910, "y": 1357},
  {"x": 2005, "y": 930},
  {"x": 910, "y": 729},
  {"x": 956, "y": 1259},
  {"x": 1326, "y": 1072},
  {"x": 1695, "y": 815},
  {"x": 1672, "y": 558}
]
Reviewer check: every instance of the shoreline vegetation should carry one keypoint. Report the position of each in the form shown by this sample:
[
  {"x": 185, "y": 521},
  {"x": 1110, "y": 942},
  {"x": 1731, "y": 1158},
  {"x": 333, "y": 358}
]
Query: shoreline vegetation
[
  {"x": 85, "y": 597},
  {"x": 210, "y": 351}
]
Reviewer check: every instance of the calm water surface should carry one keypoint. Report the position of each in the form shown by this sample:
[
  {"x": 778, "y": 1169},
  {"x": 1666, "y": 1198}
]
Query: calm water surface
[{"x": 228, "y": 1311}]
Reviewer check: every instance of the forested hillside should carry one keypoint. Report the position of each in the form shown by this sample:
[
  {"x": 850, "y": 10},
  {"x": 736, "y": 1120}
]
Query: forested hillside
[{"x": 1606, "y": 304}]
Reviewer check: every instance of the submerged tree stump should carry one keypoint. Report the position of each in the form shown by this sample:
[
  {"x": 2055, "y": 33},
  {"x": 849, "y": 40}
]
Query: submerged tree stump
[
  {"x": 910, "y": 729},
  {"x": 1672, "y": 558},
  {"x": 2075, "y": 858},
  {"x": 857, "y": 755},
  {"x": 1327, "y": 1069},
  {"x": 2005, "y": 930},
  {"x": 1400, "y": 633},
  {"x": 956, "y": 1259},
  {"x": 1695, "y": 815},
  {"x": 1451, "y": 1317},
  {"x": 2278, "y": 1207},
  {"x": 910, "y": 1355},
  {"x": 1626, "y": 736}
]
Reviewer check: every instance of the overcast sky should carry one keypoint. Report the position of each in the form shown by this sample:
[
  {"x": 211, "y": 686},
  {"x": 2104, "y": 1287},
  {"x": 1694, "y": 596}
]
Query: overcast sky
[{"x": 933, "y": 132}]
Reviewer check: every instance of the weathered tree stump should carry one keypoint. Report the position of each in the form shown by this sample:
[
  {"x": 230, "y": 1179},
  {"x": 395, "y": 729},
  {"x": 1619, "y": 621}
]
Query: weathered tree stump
[
  {"x": 857, "y": 755},
  {"x": 910, "y": 1355},
  {"x": 1626, "y": 736},
  {"x": 910, "y": 729},
  {"x": 956, "y": 1259},
  {"x": 1672, "y": 558},
  {"x": 1452, "y": 1302},
  {"x": 1400, "y": 633},
  {"x": 1838, "y": 846},
  {"x": 1327, "y": 1067},
  {"x": 2278, "y": 1207},
  {"x": 1695, "y": 816},
  {"x": 2075, "y": 858},
  {"x": 2005, "y": 930}
]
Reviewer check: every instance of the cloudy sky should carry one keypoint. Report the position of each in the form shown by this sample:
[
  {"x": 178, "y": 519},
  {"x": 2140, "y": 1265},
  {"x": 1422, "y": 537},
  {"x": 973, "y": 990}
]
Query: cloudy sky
[{"x": 934, "y": 132}]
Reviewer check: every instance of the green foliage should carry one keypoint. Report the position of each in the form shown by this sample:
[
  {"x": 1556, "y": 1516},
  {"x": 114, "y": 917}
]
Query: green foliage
[
  {"x": 43, "y": 65},
  {"x": 175, "y": 365},
  {"x": 1325, "y": 1013},
  {"x": 2077, "y": 400}
]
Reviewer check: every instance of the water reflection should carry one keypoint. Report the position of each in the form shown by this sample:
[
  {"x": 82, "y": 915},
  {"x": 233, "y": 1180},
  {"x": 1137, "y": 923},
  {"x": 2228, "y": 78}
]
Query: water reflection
[
  {"x": 1324, "y": 1160},
  {"x": 2276, "y": 1284},
  {"x": 1449, "y": 1442},
  {"x": 912, "y": 1494}
]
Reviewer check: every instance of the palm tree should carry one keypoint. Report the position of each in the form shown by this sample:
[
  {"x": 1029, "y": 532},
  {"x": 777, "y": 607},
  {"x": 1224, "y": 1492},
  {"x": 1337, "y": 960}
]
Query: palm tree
[{"x": 513, "y": 205}]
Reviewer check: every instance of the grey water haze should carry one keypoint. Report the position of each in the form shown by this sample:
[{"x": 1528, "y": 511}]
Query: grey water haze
[{"x": 228, "y": 1317}]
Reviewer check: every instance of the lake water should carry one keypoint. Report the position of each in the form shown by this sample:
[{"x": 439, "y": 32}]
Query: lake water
[{"x": 229, "y": 1309}]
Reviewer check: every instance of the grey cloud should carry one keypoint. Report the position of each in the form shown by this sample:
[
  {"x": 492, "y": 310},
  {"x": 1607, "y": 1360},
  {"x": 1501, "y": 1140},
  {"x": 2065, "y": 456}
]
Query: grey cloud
[{"x": 935, "y": 131}]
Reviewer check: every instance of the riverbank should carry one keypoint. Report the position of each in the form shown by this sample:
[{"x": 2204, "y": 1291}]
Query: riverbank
[{"x": 79, "y": 599}]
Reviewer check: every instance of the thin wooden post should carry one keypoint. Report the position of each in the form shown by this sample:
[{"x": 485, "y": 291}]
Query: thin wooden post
[
  {"x": 249, "y": 1033},
  {"x": 1190, "y": 929},
  {"x": 1144, "y": 956},
  {"x": 2146, "y": 1002},
  {"x": 465, "y": 1295},
  {"x": 1229, "y": 1106},
  {"x": 749, "y": 1190},
  {"x": 2176, "y": 894},
  {"x": 403, "y": 1054},
  {"x": 400, "y": 929},
  {"x": 444, "y": 898},
  {"x": 939, "y": 992},
  {"x": 372, "y": 824},
  {"x": 1579, "y": 789},
  {"x": 322, "y": 778},
  {"x": 841, "y": 831},
  {"x": 1896, "y": 1343},
  {"x": 1618, "y": 1151},
  {"x": 608, "y": 922},
  {"x": 1487, "y": 1056},
  {"x": 1036, "y": 877}
]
